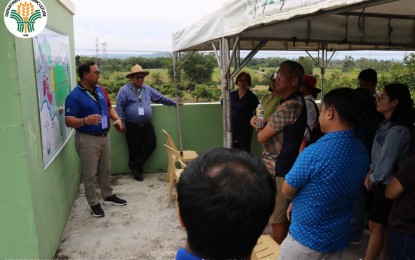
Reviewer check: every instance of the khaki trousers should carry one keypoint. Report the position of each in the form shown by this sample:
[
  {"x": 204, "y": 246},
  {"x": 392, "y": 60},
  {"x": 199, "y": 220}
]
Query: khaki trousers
[{"x": 95, "y": 156}]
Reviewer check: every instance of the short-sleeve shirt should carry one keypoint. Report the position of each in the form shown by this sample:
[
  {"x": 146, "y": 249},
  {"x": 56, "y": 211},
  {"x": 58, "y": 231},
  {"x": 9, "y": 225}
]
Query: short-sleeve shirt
[
  {"x": 242, "y": 109},
  {"x": 327, "y": 175},
  {"x": 182, "y": 254},
  {"x": 79, "y": 103},
  {"x": 402, "y": 215}
]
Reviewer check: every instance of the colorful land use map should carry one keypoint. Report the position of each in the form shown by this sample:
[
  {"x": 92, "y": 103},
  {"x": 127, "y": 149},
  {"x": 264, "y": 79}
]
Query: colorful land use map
[{"x": 53, "y": 75}]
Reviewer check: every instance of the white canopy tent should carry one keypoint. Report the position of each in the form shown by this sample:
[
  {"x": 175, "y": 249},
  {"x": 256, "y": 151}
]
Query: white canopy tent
[{"x": 309, "y": 25}]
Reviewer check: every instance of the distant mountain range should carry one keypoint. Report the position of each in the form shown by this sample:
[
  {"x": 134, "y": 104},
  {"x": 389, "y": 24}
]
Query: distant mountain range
[{"x": 340, "y": 55}]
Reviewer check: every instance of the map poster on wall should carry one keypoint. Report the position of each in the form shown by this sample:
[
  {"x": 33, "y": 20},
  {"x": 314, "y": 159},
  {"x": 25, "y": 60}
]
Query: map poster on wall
[{"x": 53, "y": 76}]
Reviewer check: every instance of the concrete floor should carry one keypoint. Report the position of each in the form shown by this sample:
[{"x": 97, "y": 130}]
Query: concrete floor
[{"x": 143, "y": 229}]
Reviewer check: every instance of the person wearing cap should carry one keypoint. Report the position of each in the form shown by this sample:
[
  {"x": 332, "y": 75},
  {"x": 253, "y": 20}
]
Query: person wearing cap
[
  {"x": 88, "y": 110},
  {"x": 310, "y": 92},
  {"x": 134, "y": 107}
]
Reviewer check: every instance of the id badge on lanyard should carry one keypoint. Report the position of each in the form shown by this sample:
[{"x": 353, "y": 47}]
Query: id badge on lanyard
[
  {"x": 104, "y": 119},
  {"x": 140, "y": 103}
]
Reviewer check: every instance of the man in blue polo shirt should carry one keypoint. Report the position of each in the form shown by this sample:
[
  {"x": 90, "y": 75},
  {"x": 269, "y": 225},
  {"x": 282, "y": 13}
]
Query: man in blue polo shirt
[
  {"x": 134, "y": 107},
  {"x": 88, "y": 110},
  {"x": 324, "y": 181}
]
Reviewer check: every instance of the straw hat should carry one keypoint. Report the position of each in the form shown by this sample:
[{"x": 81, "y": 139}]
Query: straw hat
[
  {"x": 310, "y": 81},
  {"x": 137, "y": 69}
]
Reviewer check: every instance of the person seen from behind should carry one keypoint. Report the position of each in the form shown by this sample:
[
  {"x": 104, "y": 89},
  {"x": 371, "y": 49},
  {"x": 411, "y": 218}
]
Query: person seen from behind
[
  {"x": 368, "y": 79},
  {"x": 310, "y": 91},
  {"x": 401, "y": 236},
  {"x": 225, "y": 198},
  {"x": 323, "y": 182}
]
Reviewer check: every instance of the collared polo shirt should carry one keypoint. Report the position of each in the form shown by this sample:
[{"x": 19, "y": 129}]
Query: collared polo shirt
[
  {"x": 327, "y": 175},
  {"x": 182, "y": 254},
  {"x": 80, "y": 104}
]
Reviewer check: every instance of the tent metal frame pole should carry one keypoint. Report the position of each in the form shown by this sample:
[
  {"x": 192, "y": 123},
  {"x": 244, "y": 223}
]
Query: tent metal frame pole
[
  {"x": 181, "y": 64},
  {"x": 250, "y": 55},
  {"x": 179, "y": 127},
  {"x": 226, "y": 89},
  {"x": 324, "y": 63}
]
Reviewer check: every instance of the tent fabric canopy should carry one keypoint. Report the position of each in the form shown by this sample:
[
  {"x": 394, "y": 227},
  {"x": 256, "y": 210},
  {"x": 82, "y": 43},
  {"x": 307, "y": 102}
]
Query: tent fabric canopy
[{"x": 305, "y": 25}]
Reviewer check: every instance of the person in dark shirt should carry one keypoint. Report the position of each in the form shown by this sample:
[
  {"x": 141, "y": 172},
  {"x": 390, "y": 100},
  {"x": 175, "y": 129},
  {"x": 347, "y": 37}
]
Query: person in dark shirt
[
  {"x": 243, "y": 105},
  {"x": 401, "y": 238}
]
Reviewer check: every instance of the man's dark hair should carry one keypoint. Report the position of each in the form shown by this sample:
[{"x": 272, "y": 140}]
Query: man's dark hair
[
  {"x": 295, "y": 69},
  {"x": 247, "y": 75},
  {"x": 347, "y": 104},
  {"x": 369, "y": 75},
  {"x": 84, "y": 68},
  {"x": 225, "y": 198}
]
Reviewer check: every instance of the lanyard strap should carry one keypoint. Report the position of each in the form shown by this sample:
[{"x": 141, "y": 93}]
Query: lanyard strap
[
  {"x": 93, "y": 97},
  {"x": 139, "y": 94}
]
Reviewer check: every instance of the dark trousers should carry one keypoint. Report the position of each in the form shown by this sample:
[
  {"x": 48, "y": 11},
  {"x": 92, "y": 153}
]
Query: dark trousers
[
  {"x": 242, "y": 137},
  {"x": 141, "y": 141}
]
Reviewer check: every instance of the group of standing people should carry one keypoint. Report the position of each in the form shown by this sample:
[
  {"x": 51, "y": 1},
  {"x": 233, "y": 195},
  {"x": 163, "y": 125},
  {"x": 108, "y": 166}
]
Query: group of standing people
[
  {"x": 88, "y": 110},
  {"x": 323, "y": 191},
  {"x": 320, "y": 187}
]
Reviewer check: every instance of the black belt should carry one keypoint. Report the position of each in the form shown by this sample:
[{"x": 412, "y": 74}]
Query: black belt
[
  {"x": 138, "y": 125},
  {"x": 95, "y": 133}
]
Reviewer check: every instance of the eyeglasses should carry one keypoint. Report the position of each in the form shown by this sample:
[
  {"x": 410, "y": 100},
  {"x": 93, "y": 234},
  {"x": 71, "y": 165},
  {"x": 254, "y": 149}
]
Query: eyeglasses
[
  {"x": 279, "y": 75},
  {"x": 379, "y": 97},
  {"x": 138, "y": 77}
]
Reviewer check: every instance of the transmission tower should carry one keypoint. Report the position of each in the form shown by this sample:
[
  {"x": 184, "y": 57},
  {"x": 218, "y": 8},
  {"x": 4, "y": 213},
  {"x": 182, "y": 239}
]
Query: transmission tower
[
  {"x": 97, "y": 50},
  {"x": 104, "y": 54}
]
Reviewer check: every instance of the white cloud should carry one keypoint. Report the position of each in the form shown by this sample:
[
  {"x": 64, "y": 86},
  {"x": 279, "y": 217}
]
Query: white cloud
[{"x": 134, "y": 24}]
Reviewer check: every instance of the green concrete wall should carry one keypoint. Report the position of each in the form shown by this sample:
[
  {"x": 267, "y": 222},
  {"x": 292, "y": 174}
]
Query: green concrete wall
[
  {"x": 202, "y": 130},
  {"x": 34, "y": 203}
]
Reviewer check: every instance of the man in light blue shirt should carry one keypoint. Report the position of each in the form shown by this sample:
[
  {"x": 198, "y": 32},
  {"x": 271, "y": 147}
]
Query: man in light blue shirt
[
  {"x": 134, "y": 107},
  {"x": 323, "y": 182}
]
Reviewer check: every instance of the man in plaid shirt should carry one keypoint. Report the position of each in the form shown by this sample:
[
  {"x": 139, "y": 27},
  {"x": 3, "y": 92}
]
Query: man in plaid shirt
[{"x": 282, "y": 136}]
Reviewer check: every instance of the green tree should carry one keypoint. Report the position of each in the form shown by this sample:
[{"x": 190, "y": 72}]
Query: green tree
[
  {"x": 348, "y": 64},
  {"x": 156, "y": 79},
  {"x": 205, "y": 92},
  {"x": 307, "y": 63},
  {"x": 199, "y": 68}
]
